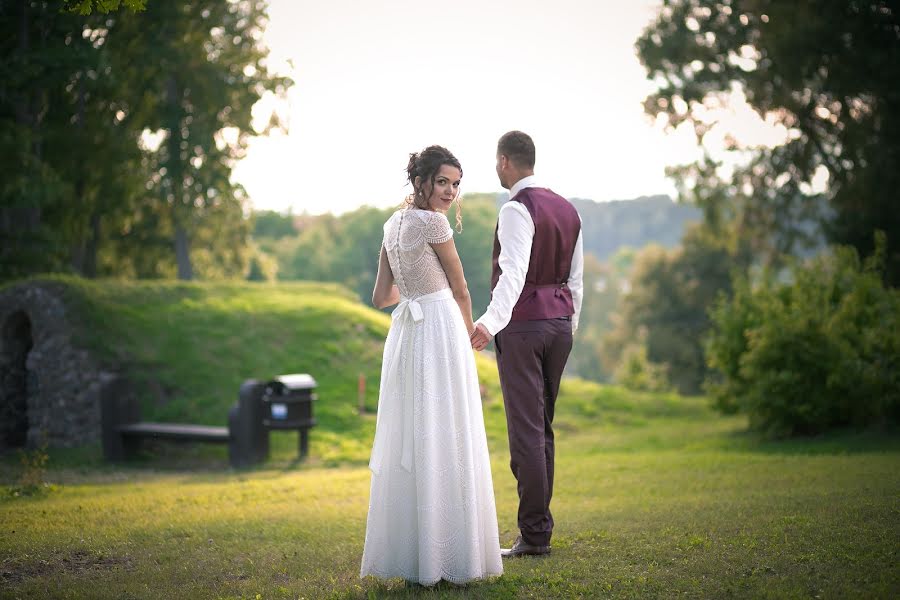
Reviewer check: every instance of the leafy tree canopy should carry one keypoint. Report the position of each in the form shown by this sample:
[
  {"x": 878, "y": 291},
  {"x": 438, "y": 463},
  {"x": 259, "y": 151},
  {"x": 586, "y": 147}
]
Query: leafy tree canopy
[
  {"x": 86, "y": 7},
  {"x": 827, "y": 72}
]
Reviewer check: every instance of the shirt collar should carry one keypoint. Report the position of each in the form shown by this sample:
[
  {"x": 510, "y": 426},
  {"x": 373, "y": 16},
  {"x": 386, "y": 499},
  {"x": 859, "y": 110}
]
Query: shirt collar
[{"x": 525, "y": 182}]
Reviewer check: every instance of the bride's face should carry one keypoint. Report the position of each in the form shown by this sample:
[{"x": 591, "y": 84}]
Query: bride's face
[{"x": 446, "y": 188}]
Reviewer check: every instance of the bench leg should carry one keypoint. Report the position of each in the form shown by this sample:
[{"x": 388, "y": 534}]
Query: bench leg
[
  {"x": 304, "y": 442},
  {"x": 118, "y": 406},
  {"x": 131, "y": 446}
]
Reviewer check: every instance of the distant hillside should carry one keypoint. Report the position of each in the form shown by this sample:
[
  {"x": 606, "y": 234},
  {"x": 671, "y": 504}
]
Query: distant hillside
[
  {"x": 635, "y": 223},
  {"x": 650, "y": 219}
]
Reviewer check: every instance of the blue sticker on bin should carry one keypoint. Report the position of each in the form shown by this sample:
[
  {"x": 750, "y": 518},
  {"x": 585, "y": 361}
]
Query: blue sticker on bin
[{"x": 279, "y": 411}]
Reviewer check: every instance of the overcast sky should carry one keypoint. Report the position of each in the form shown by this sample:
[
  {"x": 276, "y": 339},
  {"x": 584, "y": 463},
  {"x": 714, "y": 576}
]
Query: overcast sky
[{"x": 377, "y": 80}]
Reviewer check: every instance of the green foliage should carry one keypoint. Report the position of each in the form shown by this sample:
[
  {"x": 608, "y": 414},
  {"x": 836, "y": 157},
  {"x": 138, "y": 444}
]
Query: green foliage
[
  {"x": 272, "y": 224},
  {"x": 818, "y": 352},
  {"x": 824, "y": 70},
  {"x": 671, "y": 292},
  {"x": 345, "y": 249},
  {"x": 476, "y": 245},
  {"x": 84, "y": 190},
  {"x": 604, "y": 283},
  {"x": 33, "y": 469},
  {"x": 263, "y": 267},
  {"x": 636, "y": 372},
  {"x": 86, "y": 7}
]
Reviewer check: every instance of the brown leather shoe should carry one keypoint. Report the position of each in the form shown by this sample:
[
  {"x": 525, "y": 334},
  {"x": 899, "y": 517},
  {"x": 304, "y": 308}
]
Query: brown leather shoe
[{"x": 520, "y": 548}]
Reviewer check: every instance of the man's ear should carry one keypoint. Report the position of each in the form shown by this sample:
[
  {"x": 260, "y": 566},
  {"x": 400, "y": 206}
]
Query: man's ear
[{"x": 417, "y": 181}]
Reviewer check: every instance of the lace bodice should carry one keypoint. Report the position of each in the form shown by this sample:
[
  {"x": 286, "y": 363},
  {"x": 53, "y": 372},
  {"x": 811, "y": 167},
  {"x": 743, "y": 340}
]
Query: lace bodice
[{"x": 408, "y": 236}]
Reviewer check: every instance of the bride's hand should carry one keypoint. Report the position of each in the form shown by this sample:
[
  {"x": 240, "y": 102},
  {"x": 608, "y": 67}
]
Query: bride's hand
[{"x": 480, "y": 337}]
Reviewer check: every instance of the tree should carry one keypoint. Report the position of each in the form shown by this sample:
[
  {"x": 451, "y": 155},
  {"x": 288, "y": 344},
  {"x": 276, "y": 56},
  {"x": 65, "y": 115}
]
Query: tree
[
  {"x": 604, "y": 285},
  {"x": 68, "y": 149},
  {"x": 82, "y": 188},
  {"x": 666, "y": 309},
  {"x": 273, "y": 224},
  {"x": 345, "y": 248},
  {"x": 827, "y": 72},
  {"x": 210, "y": 69},
  {"x": 819, "y": 351}
]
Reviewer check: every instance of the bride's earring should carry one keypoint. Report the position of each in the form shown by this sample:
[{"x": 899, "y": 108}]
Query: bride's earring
[{"x": 458, "y": 213}]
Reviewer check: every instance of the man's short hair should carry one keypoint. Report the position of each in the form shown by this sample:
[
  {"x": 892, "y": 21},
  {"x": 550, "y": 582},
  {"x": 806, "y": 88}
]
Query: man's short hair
[{"x": 517, "y": 147}]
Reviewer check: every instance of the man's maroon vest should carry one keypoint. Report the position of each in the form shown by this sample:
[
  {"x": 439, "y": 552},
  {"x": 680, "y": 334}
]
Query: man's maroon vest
[{"x": 545, "y": 294}]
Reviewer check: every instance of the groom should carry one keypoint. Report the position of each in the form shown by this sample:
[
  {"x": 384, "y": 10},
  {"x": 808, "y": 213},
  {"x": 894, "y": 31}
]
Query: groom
[{"x": 536, "y": 296}]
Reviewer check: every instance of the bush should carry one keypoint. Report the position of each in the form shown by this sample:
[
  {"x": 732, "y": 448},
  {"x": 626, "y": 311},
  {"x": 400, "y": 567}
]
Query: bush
[
  {"x": 820, "y": 352},
  {"x": 637, "y": 372}
]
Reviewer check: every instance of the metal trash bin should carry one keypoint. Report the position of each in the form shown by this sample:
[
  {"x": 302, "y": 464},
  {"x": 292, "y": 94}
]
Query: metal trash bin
[{"x": 287, "y": 404}]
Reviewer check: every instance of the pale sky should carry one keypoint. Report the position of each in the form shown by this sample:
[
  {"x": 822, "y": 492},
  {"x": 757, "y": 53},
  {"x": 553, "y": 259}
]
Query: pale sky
[{"x": 375, "y": 81}]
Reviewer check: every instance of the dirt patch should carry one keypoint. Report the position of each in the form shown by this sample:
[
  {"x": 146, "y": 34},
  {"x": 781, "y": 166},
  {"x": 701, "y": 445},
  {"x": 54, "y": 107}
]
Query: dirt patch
[{"x": 79, "y": 562}]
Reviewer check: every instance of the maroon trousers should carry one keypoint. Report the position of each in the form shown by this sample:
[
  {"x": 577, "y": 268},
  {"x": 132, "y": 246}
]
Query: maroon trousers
[{"x": 531, "y": 356}]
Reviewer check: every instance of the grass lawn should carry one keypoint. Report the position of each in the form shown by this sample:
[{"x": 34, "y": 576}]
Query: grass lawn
[{"x": 656, "y": 495}]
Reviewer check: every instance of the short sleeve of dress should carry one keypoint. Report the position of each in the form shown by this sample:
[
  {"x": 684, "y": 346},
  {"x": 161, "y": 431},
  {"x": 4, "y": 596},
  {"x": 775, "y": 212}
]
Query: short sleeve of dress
[
  {"x": 438, "y": 229},
  {"x": 389, "y": 240}
]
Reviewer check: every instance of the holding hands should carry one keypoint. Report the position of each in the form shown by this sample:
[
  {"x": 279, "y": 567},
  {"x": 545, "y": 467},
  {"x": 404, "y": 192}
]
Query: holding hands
[{"x": 480, "y": 337}]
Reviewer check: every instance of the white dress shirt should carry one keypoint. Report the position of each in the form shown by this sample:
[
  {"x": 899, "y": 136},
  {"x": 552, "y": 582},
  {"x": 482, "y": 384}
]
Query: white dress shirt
[{"x": 515, "y": 230}]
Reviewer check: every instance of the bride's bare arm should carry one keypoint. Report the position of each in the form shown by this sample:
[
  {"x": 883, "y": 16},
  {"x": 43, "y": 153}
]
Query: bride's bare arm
[
  {"x": 385, "y": 292},
  {"x": 446, "y": 253}
]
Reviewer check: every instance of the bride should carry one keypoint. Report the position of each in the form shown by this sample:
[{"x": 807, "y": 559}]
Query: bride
[{"x": 431, "y": 505}]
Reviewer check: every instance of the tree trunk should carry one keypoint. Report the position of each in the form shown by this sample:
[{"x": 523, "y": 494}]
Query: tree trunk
[
  {"x": 175, "y": 173},
  {"x": 78, "y": 256},
  {"x": 183, "y": 253},
  {"x": 90, "y": 248},
  {"x": 23, "y": 108}
]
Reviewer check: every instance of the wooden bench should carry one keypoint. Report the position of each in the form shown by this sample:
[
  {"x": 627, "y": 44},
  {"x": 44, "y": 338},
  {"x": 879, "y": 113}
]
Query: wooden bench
[
  {"x": 176, "y": 431},
  {"x": 247, "y": 434},
  {"x": 123, "y": 430}
]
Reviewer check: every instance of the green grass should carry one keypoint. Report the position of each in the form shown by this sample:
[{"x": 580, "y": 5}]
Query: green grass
[{"x": 656, "y": 495}]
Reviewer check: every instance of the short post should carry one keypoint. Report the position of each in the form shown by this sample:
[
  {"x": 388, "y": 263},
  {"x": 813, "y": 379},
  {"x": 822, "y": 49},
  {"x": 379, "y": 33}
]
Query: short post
[{"x": 361, "y": 393}]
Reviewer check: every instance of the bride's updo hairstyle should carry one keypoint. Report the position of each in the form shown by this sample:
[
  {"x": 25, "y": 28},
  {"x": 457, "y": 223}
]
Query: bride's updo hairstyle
[{"x": 425, "y": 165}]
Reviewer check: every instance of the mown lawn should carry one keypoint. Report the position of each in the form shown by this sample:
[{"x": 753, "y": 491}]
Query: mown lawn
[{"x": 656, "y": 496}]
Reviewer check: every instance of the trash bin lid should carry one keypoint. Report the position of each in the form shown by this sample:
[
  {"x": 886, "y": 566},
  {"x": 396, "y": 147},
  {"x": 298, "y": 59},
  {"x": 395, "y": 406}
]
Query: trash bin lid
[{"x": 297, "y": 381}]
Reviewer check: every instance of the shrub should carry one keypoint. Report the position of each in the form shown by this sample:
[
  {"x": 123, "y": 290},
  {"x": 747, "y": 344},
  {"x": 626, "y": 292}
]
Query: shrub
[
  {"x": 819, "y": 352},
  {"x": 637, "y": 372}
]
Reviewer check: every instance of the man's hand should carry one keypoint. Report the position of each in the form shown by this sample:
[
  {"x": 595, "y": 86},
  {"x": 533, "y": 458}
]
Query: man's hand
[{"x": 480, "y": 338}]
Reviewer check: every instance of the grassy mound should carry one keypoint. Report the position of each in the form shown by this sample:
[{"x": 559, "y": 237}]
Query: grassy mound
[{"x": 188, "y": 346}]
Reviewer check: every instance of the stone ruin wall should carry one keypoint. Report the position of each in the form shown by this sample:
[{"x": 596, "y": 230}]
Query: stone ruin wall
[{"x": 45, "y": 372}]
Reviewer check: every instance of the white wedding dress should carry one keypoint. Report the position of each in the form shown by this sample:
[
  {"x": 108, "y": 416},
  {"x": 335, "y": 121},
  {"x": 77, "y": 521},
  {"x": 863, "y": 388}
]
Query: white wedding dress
[{"x": 431, "y": 506}]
